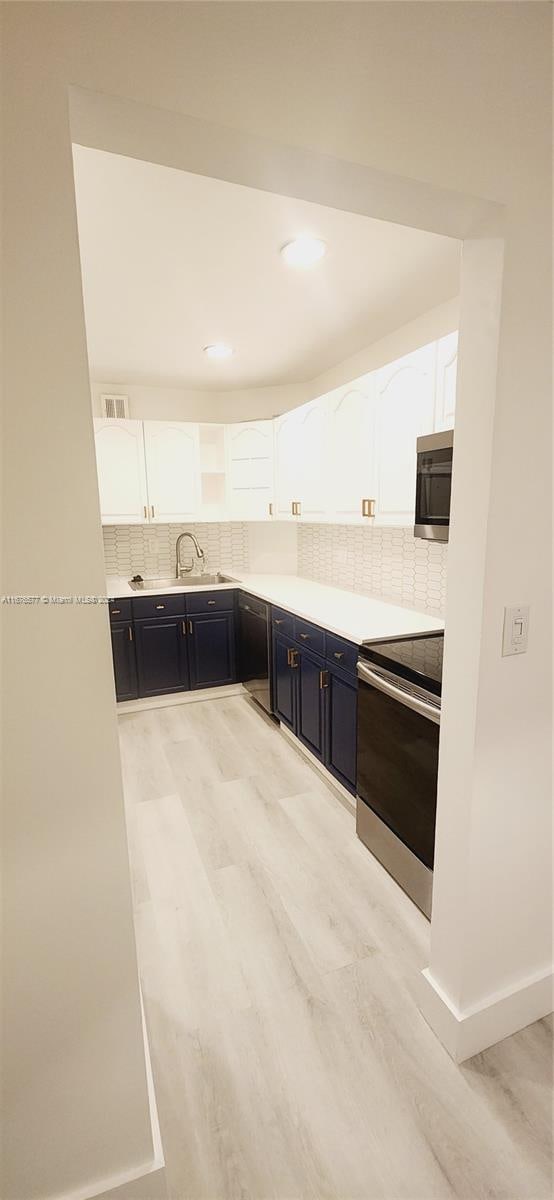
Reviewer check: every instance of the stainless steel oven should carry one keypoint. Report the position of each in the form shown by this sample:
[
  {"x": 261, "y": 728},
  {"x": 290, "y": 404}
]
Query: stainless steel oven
[
  {"x": 399, "y": 706},
  {"x": 433, "y": 485}
]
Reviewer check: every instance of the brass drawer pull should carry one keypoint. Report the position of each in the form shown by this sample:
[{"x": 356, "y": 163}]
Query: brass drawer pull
[
  {"x": 116, "y": 612},
  {"x": 210, "y": 602},
  {"x": 279, "y": 621},
  {"x": 338, "y": 654},
  {"x": 160, "y": 606},
  {"x": 305, "y": 637}
]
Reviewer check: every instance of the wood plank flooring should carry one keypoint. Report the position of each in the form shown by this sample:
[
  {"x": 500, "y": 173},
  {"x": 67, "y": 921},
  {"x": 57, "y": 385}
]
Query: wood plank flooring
[{"x": 278, "y": 962}]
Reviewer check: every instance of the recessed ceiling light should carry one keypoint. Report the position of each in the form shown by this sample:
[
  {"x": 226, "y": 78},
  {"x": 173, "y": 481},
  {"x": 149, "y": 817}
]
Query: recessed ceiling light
[
  {"x": 218, "y": 350},
  {"x": 303, "y": 251}
]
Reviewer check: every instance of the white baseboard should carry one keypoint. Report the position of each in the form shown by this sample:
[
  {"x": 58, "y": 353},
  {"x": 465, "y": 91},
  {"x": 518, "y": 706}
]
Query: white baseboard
[
  {"x": 346, "y": 798},
  {"x": 166, "y": 701},
  {"x": 464, "y": 1034}
]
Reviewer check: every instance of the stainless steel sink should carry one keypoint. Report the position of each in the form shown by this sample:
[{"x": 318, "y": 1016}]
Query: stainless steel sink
[{"x": 168, "y": 582}]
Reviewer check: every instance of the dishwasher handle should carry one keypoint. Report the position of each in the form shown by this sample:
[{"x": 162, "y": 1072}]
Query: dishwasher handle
[{"x": 408, "y": 698}]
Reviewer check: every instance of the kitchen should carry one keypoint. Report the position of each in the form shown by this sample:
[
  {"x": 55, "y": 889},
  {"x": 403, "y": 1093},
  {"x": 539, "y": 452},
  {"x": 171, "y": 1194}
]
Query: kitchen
[{"x": 334, "y": 480}]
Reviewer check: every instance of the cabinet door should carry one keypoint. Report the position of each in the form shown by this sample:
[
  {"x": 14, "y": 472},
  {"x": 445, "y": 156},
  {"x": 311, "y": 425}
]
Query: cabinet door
[
  {"x": 310, "y": 721},
  {"x": 352, "y": 447},
  {"x": 211, "y": 649},
  {"x": 405, "y": 410},
  {"x": 172, "y": 470},
  {"x": 284, "y": 681},
  {"x": 250, "y": 470},
  {"x": 161, "y": 655},
  {"x": 312, "y": 457},
  {"x": 342, "y": 720},
  {"x": 447, "y": 363},
  {"x": 121, "y": 471},
  {"x": 124, "y": 661},
  {"x": 287, "y": 463}
]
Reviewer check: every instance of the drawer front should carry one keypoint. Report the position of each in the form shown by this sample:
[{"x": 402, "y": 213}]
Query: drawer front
[
  {"x": 120, "y": 610},
  {"x": 309, "y": 636},
  {"x": 146, "y": 607},
  {"x": 342, "y": 654},
  {"x": 210, "y": 602},
  {"x": 282, "y": 622},
  {"x": 251, "y": 604}
]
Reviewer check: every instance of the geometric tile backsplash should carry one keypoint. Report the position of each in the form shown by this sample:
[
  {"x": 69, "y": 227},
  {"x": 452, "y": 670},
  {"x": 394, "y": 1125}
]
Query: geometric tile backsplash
[
  {"x": 383, "y": 561},
  {"x": 150, "y": 549}
]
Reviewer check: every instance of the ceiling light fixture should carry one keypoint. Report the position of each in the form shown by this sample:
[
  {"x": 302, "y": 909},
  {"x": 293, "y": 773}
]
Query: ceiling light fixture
[
  {"x": 303, "y": 251},
  {"x": 218, "y": 350}
]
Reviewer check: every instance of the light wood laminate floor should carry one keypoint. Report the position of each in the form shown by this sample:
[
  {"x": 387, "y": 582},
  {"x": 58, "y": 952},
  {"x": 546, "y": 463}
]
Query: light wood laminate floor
[{"x": 278, "y": 962}]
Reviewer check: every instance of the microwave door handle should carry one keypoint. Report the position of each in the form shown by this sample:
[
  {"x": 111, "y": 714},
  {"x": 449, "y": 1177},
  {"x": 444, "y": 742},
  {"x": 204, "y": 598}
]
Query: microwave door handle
[{"x": 430, "y": 711}]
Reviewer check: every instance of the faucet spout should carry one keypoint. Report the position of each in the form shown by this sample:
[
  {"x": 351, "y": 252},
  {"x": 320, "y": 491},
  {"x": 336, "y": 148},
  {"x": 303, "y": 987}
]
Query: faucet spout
[{"x": 180, "y": 570}]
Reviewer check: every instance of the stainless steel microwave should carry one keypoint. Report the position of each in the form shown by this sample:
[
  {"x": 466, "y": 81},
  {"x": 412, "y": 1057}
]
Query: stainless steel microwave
[{"x": 433, "y": 484}]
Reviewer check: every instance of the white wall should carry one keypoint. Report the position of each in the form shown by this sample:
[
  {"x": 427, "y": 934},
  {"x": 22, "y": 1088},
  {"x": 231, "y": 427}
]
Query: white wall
[
  {"x": 179, "y": 404},
  {"x": 456, "y": 95}
]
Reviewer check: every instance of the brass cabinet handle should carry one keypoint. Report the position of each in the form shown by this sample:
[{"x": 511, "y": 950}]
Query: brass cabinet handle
[
  {"x": 210, "y": 602},
  {"x": 130, "y": 633},
  {"x": 116, "y": 612},
  {"x": 270, "y": 507},
  {"x": 293, "y": 662},
  {"x": 368, "y": 508},
  {"x": 324, "y": 679},
  {"x": 160, "y": 606},
  {"x": 295, "y": 506},
  {"x": 338, "y": 654},
  {"x": 190, "y": 626},
  {"x": 152, "y": 509},
  {"x": 145, "y": 512},
  {"x": 184, "y": 628}
]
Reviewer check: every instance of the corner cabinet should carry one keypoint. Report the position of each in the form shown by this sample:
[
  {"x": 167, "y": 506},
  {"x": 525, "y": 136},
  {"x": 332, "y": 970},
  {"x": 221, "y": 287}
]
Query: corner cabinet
[
  {"x": 315, "y": 697},
  {"x": 249, "y": 464},
  {"x": 121, "y": 471}
]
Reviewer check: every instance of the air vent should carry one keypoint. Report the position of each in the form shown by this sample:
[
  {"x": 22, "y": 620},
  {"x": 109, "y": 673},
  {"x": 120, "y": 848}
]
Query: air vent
[{"x": 116, "y": 407}]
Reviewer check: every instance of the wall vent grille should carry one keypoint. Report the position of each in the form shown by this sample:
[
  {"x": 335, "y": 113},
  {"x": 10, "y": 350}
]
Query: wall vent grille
[{"x": 116, "y": 407}]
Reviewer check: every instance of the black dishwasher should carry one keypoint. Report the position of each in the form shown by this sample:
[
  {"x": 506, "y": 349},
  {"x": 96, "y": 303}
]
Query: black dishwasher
[{"x": 253, "y": 649}]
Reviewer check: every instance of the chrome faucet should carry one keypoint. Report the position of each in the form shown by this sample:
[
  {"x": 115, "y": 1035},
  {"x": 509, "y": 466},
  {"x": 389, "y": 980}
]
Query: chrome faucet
[{"x": 180, "y": 570}]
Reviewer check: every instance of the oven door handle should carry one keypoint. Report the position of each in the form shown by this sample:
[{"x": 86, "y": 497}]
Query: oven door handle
[{"x": 431, "y": 711}]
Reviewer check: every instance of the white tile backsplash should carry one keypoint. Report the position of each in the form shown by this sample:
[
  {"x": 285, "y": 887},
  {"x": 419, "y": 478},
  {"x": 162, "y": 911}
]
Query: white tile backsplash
[
  {"x": 150, "y": 549},
  {"x": 383, "y": 561}
]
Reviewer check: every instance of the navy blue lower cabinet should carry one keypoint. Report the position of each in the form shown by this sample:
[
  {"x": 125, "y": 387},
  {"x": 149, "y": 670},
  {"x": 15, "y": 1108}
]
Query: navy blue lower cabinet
[
  {"x": 342, "y": 722},
  {"x": 124, "y": 660},
  {"x": 211, "y": 647},
  {"x": 284, "y": 680},
  {"x": 311, "y": 706},
  {"x": 162, "y": 659}
]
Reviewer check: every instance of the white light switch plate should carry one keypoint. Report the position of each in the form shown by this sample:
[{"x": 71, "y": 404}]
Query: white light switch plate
[{"x": 516, "y": 629}]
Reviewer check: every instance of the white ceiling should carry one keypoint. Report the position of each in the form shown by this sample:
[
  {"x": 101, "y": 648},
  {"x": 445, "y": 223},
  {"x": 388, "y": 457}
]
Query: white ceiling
[{"x": 173, "y": 261}]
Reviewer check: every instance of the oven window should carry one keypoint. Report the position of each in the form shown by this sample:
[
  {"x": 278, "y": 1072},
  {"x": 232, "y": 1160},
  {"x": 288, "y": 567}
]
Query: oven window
[
  {"x": 434, "y": 478},
  {"x": 398, "y": 754}
]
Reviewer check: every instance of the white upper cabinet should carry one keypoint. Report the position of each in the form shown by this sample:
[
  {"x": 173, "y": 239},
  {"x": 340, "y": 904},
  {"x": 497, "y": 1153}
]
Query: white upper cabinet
[
  {"x": 288, "y": 464},
  {"x": 121, "y": 471},
  {"x": 405, "y": 411},
  {"x": 250, "y": 470},
  {"x": 312, "y": 488},
  {"x": 351, "y": 459},
  {"x": 445, "y": 399},
  {"x": 172, "y": 469}
]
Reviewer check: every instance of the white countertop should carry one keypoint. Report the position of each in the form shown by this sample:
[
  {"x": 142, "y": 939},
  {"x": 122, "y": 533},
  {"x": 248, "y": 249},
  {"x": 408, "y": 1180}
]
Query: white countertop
[{"x": 347, "y": 614}]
